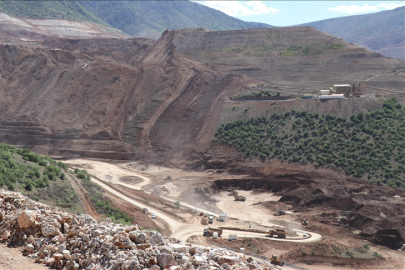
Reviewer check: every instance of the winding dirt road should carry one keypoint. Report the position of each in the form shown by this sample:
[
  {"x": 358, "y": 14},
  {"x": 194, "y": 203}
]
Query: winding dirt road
[{"x": 180, "y": 230}]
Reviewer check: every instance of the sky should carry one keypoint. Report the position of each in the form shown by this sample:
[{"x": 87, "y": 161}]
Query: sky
[{"x": 286, "y": 13}]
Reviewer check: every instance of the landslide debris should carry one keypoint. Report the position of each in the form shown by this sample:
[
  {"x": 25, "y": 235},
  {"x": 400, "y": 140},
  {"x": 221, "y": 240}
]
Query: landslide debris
[
  {"x": 116, "y": 99},
  {"x": 163, "y": 100},
  {"x": 61, "y": 240}
]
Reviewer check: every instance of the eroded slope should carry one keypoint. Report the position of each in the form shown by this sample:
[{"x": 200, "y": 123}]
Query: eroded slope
[{"x": 290, "y": 56}]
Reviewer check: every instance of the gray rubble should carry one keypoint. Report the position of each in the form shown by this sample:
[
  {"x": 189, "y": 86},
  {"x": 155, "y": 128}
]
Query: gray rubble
[{"x": 65, "y": 241}]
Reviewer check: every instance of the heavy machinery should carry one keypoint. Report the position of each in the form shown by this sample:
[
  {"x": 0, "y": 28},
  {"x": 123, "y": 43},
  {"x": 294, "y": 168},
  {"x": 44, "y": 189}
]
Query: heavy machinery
[
  {"x": 281, "y": 233},
  {"x": 239, "y": 198},
  {"x": 211, "y": 219},
  {"x": 274, "y": 260},
  {"x": 210, "y": 231},
  {"x": 305, "y": 222},
  {"x": 233, "y": 193},
  {"x": 279, "y": 213}
]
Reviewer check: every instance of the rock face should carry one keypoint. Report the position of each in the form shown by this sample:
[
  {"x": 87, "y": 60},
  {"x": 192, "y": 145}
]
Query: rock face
[{"x": 86, "y": 244}]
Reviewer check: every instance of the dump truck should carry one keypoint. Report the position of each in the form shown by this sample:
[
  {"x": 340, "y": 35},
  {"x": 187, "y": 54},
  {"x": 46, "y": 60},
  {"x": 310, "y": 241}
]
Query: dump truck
[
  {"x": 239, "y": 198},
  {"x": 279, "y": 213},
  {"x": 274, "y": 260},
  {"x": 233, "y": 193},
  {"x": 305, "y": 222},
  {"x": 281, "y": 233},
  {"x": 210, "y": 231}
]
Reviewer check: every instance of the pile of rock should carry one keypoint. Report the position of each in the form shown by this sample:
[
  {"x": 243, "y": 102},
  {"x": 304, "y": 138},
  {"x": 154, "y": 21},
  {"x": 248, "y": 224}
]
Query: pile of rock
[{"x": 66, "y": 241}]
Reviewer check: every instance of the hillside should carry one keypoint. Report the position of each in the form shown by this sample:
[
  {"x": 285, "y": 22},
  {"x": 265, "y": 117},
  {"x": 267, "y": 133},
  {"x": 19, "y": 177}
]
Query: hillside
[
  {"x": 134, "y": 98},
  {"x": 38, "y": 177},
  {"x": 136, "y": 18},
  {"x": 366, "y": 145},
  {"x": 382, "y": 32},
  {"x": 294, "y": 57}
]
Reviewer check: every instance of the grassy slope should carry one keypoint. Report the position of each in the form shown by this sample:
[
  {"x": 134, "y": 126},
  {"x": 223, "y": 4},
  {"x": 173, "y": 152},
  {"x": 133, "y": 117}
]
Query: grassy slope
[
  {"x": 97, "y": 198},
  {"x": 376, "y": 31},
  {"x": 67, "y": 10},
  {"x": 38, "y": 177},
  {"x": 42, "y": 179},
  {"x": 368, "y": 145},
  {"x": 132, "y": 17}
]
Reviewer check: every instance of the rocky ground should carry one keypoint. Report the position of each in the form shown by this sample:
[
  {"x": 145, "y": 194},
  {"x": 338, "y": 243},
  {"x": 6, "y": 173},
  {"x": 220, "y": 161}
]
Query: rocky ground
[{"x": 61, "y": 240}]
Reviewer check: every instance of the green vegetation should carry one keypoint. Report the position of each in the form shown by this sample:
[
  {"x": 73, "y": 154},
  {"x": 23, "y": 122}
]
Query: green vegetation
[
  {"x": 234, "y": 50},
  {"x": 308, "y": 50},
  {"x": 262, "y": 93},
  {"x": 101, "y": 204},
  {"x": 367, "y": 145},
  {"x": 177, "y": 204},
  {"x": 141, "y": 17},
  {"x": 38, "y": 177},
  {"x": 335, "y": 47}
]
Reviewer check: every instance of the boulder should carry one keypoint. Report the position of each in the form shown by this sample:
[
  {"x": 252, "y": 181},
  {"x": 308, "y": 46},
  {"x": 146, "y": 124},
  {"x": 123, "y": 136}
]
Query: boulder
[
  {"x": 29, "y": 248},
  {"x": 157, "y": 240},
  {"x": 5, "y": 235},
  {"x": 66, "y": 255},
  {"x": 179, "y": 248},
  {"x": 166, "y": 260},
  {"x": 27, "y": 219},
  {"x": 228, "y": 259},
  {"x": 138, "y": 237}
]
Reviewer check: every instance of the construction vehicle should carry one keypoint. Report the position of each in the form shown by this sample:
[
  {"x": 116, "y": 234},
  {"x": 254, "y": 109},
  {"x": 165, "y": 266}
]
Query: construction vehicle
[
  {"x": 239, "y": 198},
  {"x": 145, "y": 210},
  {"x": 281, "y": 233},
  {"x": 210, "y": 231},
  {"x": 305, "y": 222},
  {"x": 211, "y": 219},
  {"x": 279, "y": 213},
  {"x": 274, "y": 260},
  {"x": 233, "y": 193}
]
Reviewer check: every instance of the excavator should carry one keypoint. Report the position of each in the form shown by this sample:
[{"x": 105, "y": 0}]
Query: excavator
[{"x": 274, "y": 260}]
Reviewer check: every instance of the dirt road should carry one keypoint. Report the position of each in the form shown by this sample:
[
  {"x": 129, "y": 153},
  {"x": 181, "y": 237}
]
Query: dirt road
[{"x": 184, "y": 230}]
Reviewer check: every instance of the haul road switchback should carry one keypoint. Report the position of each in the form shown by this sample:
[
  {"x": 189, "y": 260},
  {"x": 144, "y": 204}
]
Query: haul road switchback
[{"x": 178, "y": 229}]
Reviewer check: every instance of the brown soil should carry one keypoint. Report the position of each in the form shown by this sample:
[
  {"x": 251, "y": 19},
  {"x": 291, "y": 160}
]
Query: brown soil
[
  {"x": 130, "y": 180},
  {"x": 95, "y": 104},
  {"x": 140, "y": 218},
  {"x": 12, "y": 259},
  {"x": 84, "y": 197}
]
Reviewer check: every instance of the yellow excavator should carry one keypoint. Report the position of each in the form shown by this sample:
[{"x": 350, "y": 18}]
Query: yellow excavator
[{"x": 274, "y": 260}]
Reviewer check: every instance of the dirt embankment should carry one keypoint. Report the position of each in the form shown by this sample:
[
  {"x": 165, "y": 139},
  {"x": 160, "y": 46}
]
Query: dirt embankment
[{"x": 87, "y": 97}]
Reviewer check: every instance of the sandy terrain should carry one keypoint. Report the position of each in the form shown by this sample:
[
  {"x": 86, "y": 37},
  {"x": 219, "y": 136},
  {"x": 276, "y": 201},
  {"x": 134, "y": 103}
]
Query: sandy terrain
[
  {"x": 12, "y": 259},
  {"x": 237, "y": 210}
]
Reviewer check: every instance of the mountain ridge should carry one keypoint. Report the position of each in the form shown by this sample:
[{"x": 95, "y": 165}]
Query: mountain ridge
[
  {"x": 133, "y": 18},
  {"x": 382, "y": 32}
]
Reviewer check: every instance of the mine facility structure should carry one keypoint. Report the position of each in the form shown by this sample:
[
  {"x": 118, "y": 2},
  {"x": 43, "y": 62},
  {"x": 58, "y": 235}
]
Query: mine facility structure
[{"x": 341, "y": 91}]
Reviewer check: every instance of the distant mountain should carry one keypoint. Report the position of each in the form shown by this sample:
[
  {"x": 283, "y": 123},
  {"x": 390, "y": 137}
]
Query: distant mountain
[
  {"x": 136, "y": 18},
  {"x": 382, "y": 32}
]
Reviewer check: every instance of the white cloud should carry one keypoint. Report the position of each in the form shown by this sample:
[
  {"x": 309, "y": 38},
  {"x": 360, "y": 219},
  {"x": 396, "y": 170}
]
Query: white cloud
[
  {"x": 390, "y": 5},
  {"x": 365, "y": 8},
  {"x": 354, "y": 9},
  {"x": 240, "y": 8}
]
